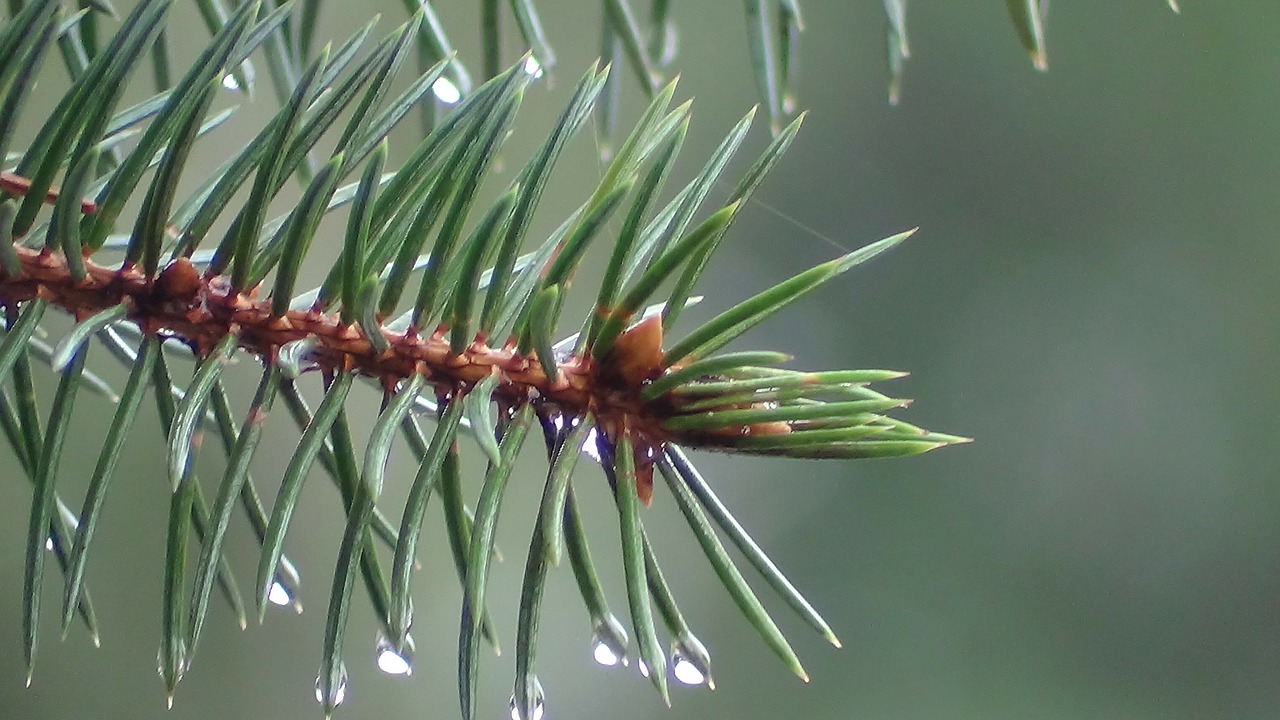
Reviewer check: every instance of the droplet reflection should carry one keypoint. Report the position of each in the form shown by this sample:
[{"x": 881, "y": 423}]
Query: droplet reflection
[
  {"x": 392, "y": 660},
  {"x": 445, "y": 91},
  {"x": 278, "y": 595},
  {"x": 609, "y": 641},
  {"x": 589, "y": 445},
  {"x": 687, "y": 672},
  {"x": 337, "y": 694},
  {"x": 605, "y": 654},
  {"x": 690, "y": 661},
  {"x": 539, "y": 705}
]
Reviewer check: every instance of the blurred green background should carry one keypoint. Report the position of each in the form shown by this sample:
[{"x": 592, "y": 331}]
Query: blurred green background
[{"x": 1091, "y": 296}]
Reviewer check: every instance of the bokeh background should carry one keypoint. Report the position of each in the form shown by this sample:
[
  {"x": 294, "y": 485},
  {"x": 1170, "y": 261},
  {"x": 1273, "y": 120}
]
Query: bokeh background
[{"x": 1092, "y": 296}]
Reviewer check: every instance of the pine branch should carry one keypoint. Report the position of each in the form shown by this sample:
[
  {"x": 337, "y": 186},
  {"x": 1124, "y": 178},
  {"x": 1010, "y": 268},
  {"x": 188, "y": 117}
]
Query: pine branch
[{"x": 463, "y": 330}]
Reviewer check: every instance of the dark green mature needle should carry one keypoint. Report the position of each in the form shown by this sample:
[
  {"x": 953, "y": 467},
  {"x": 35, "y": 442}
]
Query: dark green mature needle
[
  {"x": 476, "y": 249},
  {"x": 42, "y": 503},
  {"x": 746, "y": 545},
  {"x": 424, "y": 481},
  {"x": 180, "y": 100},
  {"x": 625, "y": 249},
  {"x": 624, "y": 475},
  {"x": 309, "y": 446},
  {"x": 96, "y": 91},
  {"x": 728, "y": 573},
  {"x": 121, "y": 424},
  {"x": 480, "y": 554},
  {"x": 533, "y": 179},
  {"x": 193, "y": 404},
  {"x": 354, "y": 544},
  {"x": 233, "y": 478},
  {"x": 80, "y": 334}
]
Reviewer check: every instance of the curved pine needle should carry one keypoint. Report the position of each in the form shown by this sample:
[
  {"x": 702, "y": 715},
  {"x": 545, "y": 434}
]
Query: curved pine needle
[
  {"x": 414, "y": 509},
  {"x": 458, "y": 524},
  {"x": 18, "y": 333},
  {"x": 191, "y": 409},
  {"x": 173, "y": 649},
  {"x": 354, "y": 544},
  {"x": 121, "y": 424},
  {"x": 199, "y": 520},
  {"x": 530, "y": 609},
  {"x": 80, "y": 334},
  {"x": 480, "y": 553},
  {"x": 42, "y": 503},
  {"x": 478, "y": 403},
  {"x": 309, "y": 446},
  {"x": 625, "y": 492},
  {"x": 745, "y": 544},
  {"x": 543, "y": 311},
  {"x": 563, "y": 461},
  {"x": 228, "y": 491},
  {"x": 301, "y": 415},
  {"x": 728, "y": 573},
  {"x": 353, "y": 493}
]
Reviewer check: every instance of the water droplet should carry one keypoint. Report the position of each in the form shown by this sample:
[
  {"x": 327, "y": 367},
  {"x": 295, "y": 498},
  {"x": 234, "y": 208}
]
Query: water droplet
[
  {"x": 48, "y": 544},
  {"x": 690, "y": 661},
  {"x": 609, "y": 642},
  {"x": 685, "y": 671},
  {"x": 394, "y": 660},
  {"x": 445, "y": 91},
  {"x": 539, "y": 704},
  {"x": 278, "y": 595},
  {"x": 589, "y": 445},
  {"x": 229, "y": 82},
  {"x": 532, "y": 67},
  {"x": 605, "y": 654},
  {"x": 179, "y": 671},
  {"x": 338, "y": 693},
  {"x": 644, "y": 669}
]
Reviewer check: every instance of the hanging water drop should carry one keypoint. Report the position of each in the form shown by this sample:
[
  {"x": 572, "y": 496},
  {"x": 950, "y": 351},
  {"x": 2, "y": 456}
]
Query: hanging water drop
[
  {"x": 589, "y": 445},
  {"x": 337, "y": 693},
  {"x": 532, "y": 67},
  {"x": 690, "y": 661},
  {"x": 445, "y": 91},
  {"x": 48, "y": 543},
  {"x": 685, "y": 671},
  {"x": 536, "y": 710},
  {"x": 644, "y": 669},
  {"x": 605, "y": 654},
  {"x": 278, "y": 595},
  {"x": 609, "y": 641},
  {"x": 394, "y": 660},
  {"x": 229, "y": 82}
]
